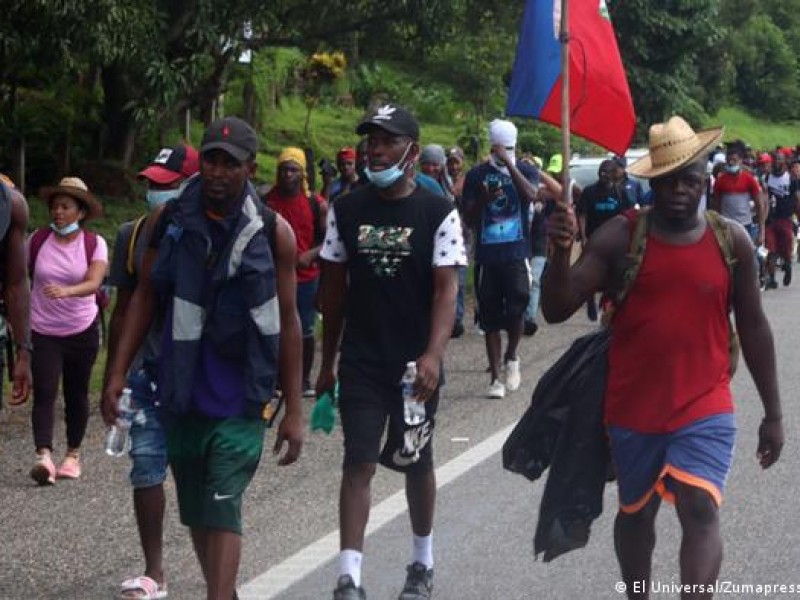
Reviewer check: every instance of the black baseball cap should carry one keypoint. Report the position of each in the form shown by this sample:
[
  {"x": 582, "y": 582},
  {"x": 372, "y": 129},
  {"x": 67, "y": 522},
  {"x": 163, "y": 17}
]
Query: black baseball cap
[
  {"x": 234, "y": 136},
  {"x": 392, "y": 118}
]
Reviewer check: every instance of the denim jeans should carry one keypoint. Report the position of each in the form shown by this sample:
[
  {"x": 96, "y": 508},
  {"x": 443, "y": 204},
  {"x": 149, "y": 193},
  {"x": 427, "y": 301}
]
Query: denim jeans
[
  {"x": 148, "y": 439},
  {"x": 462, "y": 284},
  {"x": 537, "y": 268}
]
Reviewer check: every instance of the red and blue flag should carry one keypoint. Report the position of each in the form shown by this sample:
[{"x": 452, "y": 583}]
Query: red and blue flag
[{"x": 601, "y": 109}]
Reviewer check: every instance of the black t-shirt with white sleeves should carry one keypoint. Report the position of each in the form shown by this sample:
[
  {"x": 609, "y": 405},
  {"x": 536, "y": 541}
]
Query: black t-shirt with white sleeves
[{"x": 391, "y": 248}]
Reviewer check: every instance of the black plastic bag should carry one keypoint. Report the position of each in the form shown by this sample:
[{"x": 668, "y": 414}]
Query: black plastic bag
[{"x": 563, "y": 429}]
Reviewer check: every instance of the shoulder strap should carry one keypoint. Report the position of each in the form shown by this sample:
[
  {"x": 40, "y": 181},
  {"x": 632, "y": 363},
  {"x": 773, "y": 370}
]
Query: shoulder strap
[
  {"x": 270, "y": 227},
  {"x": 5, "y": 209},
  {"x": 313, "y": 203},
  {"x": 724, "y": 237},
  {"x": 640, "y": 222},
  {"x": 722, "y": 233},
  {"x": 130, "y": 267},
  {"x": 89, "y": 244},
  {"x": 38, "y": 239}
]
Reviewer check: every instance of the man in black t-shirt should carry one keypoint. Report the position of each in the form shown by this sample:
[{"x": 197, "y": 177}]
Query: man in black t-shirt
[
  {"x": 390, "y": 278},
  {"x": 599, "y": 202}
]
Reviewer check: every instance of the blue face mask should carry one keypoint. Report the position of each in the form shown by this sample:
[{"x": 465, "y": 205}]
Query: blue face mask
[
  {"x": 67, "y": 229},
  {"x": 156, "y": 198},
  {"x": 387, "y": 177},
  {"x": 733, "y": 168}
]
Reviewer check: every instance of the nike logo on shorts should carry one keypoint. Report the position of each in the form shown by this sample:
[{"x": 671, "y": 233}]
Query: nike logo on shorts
[{"x": 218, "y": 496}]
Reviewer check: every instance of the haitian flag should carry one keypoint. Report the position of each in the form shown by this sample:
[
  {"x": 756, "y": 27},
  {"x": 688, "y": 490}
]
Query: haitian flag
[{"x": 601, "y": 108}]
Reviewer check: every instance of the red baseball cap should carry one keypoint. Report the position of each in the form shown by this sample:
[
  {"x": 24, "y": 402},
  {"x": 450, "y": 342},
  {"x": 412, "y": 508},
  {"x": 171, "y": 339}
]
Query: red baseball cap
[
  {"x": 172, "y": 163},
  {"x": 765, "y": 158}
]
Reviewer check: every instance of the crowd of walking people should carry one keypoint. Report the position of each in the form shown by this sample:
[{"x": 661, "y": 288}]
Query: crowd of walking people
[{"x": 221, "y": 282}]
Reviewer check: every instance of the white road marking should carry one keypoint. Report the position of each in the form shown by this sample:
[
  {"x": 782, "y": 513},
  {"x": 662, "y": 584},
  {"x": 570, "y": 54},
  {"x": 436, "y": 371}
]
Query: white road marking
[{"x": 280, "y": 577}]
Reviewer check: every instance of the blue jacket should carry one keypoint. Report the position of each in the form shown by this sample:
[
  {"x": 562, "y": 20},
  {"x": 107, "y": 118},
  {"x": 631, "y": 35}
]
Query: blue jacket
[{"x": 226, "y": 298}]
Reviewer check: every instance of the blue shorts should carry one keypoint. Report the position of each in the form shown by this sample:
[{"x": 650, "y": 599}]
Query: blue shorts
[
  {"x": 307, "y": 306},
  {"x": 148, "y": 440},
  {"x": 699, "y": 455}
]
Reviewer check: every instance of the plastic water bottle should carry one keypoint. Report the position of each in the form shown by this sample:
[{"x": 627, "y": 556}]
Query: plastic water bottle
[
  {"x": 413, "y": 411},
  {"x": 118, "y": 437}
]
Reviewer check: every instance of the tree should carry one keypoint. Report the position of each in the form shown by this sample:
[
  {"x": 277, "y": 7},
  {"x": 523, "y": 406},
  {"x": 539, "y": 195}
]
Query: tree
[
  {"x": 766, "y": 70},
  {"x": 661, "y": 44}
]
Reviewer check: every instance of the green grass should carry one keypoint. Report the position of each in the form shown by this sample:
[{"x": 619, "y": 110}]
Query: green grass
[
  {"x": 760, "y": 134},
  {"x": 331, "y": 128}
]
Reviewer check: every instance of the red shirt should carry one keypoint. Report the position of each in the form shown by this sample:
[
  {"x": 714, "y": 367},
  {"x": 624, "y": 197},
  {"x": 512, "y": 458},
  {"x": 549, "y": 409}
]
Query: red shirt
[
  {"x": 668, "y": 357},
  {"x": 297, "y": 212},
  {"x": 735, "y": 191}
]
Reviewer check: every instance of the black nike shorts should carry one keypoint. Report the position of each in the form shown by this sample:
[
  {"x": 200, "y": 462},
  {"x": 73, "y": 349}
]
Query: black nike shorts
[{"x": 369, "y": 408}]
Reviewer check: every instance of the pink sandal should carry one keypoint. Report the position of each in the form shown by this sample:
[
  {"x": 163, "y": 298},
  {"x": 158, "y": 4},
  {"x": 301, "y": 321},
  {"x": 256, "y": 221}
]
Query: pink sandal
[
  {"x": 142, "y": 588},
  {"x": 70, "y": 467}
]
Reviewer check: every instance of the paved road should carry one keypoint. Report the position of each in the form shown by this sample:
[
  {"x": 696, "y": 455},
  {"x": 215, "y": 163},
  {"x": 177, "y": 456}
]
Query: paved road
[{"x": 77, "y": 540}]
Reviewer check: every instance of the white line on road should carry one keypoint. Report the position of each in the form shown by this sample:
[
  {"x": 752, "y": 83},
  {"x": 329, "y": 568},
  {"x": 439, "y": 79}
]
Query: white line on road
[{"x": 277, "y": 579}]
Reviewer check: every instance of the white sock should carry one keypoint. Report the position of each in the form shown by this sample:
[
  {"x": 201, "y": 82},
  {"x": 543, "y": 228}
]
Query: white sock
[
  {"x": 423, "y": 550},
  {"x": 350, "y": 564}
]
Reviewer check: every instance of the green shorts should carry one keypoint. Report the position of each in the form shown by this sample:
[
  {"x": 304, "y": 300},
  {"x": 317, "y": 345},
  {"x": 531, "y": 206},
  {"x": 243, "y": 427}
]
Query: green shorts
[{"x": 213, "y": 462}]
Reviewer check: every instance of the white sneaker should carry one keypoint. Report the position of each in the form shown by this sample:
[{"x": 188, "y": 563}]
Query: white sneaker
[
  {"x": 497, "y": 390},
  {"x": 513, "y": 377}
]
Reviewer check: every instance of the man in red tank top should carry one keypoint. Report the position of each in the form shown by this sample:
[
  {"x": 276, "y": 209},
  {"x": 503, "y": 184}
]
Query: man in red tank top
[
  {"x": 671, "y": 425},
  {"x": 305, "y": 212}
]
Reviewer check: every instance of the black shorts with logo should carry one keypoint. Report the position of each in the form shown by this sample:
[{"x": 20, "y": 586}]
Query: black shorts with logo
[
  {"x": 503, "y": 291},
  {"x": 368, "y": 408}
]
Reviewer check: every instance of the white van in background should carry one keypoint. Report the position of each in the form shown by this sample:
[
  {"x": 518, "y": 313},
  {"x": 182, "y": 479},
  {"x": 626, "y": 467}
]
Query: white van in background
[{"x": 583, "y": 170}]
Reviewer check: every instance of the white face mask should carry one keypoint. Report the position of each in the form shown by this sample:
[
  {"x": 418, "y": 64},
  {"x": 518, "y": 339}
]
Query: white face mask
[
  {"x": 499, "y": 164},
  {"x": 67, "y": 229}
]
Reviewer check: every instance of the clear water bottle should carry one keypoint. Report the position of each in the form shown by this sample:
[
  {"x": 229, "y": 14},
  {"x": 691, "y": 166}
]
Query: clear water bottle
[
  {"x": 413, "y": 411},
  {"x": 118, "y": 437}
]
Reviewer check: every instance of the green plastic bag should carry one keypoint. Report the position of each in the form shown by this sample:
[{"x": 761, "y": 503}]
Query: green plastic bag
[{"x": 323, "y": 415}]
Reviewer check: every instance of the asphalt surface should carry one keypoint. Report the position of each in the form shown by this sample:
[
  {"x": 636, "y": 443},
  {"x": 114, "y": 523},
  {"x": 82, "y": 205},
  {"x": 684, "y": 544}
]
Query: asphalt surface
[{"x": 78, "y": 540}]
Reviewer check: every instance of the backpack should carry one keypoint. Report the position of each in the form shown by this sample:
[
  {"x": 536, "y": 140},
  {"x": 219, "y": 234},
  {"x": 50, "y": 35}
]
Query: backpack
[
  {"x": 101, "y": 296},
  {"x": 130, "y": 266},
  {"x": 640, "y": 224}
]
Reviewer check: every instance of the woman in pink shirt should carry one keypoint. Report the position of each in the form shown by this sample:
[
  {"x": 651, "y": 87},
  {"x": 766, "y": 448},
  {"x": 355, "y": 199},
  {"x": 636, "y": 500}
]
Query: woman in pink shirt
[{"x": 67, "y": 267}]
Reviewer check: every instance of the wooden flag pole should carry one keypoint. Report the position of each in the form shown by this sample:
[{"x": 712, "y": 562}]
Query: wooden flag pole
[{"x": 566, "y": 191}]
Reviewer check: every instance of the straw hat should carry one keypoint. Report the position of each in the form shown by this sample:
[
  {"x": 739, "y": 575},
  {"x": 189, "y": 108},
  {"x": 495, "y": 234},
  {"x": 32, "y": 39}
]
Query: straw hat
[
  {"x": 74, "y": 187},
  {"x": 674, "y": 145}
]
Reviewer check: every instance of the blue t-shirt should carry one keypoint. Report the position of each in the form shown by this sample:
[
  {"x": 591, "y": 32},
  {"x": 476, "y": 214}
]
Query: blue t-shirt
[
  {"x": 429, "y": 183},
  {"x": 502, "y": 234}
]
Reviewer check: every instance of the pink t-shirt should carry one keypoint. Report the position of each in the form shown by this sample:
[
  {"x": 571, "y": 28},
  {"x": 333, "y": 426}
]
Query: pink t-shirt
[{"x": 63, "y": 264}]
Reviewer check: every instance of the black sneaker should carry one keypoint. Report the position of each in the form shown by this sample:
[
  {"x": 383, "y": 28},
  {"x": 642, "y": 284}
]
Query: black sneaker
[
  {"x": 346, "y": 589},
  {"x": 787, "y": 273},
  {"x": 458, "y": 330},
  {"x": 419, "y": 583},
  {"x": 529, "y": 328},
  {"x": 772, "y": 284}
]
